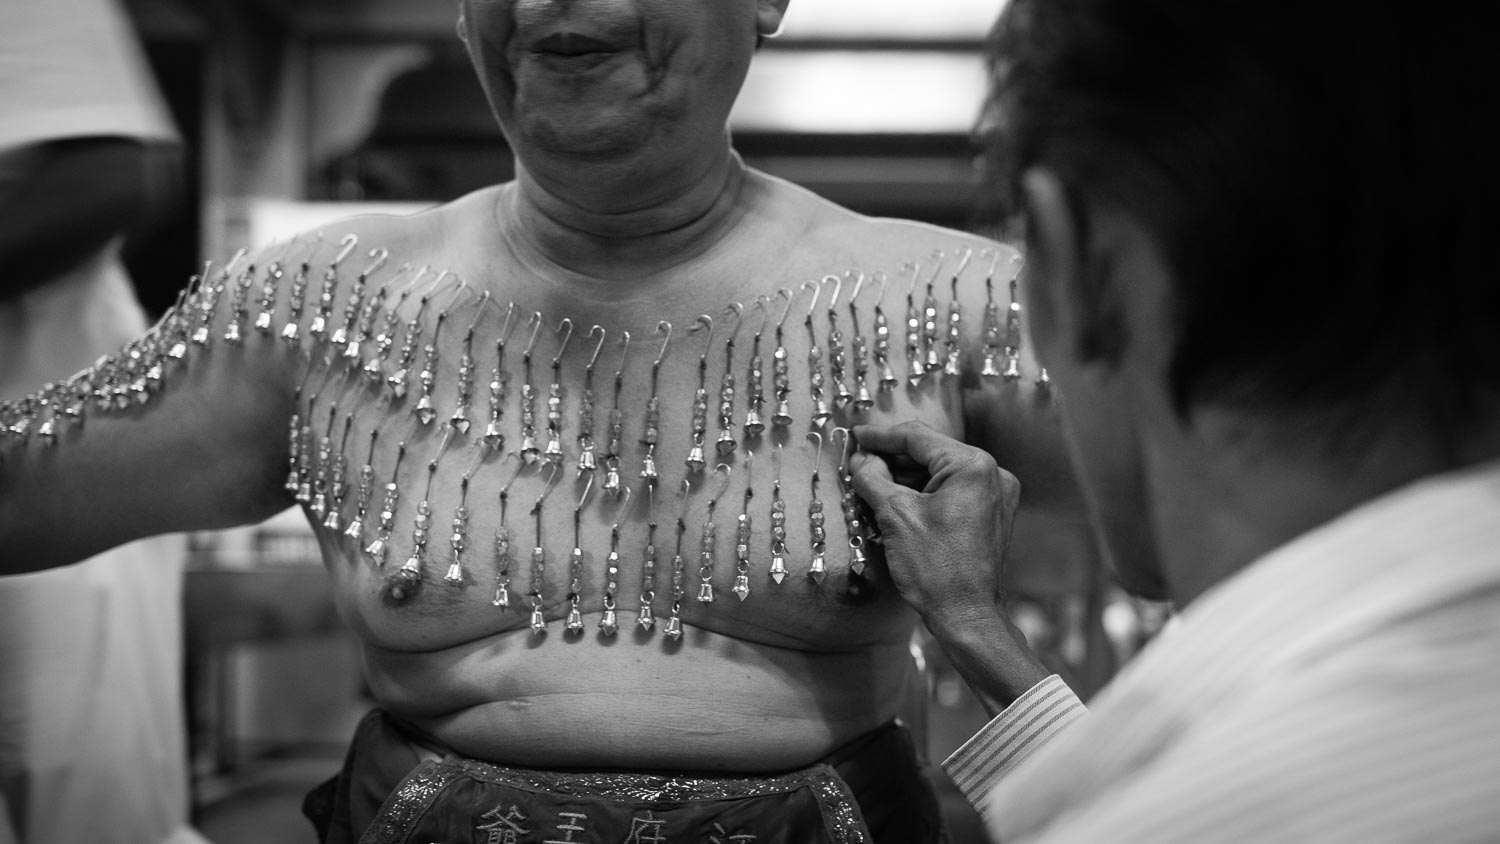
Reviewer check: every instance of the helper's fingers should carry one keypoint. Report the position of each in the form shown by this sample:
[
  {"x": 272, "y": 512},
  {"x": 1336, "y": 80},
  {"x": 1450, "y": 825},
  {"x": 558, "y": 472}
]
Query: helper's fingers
[
  {"x": 872, "y": 479},
  {"x": 914, "y": 439}
]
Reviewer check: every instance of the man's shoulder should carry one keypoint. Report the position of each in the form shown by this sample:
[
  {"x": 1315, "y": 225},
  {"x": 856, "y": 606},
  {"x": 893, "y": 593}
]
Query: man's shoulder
[{"x": 880, "y": 240}]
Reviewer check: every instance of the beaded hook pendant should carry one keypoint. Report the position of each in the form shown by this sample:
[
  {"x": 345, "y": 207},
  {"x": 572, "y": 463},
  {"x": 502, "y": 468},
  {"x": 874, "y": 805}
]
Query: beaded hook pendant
[
  {"x": 609, "y": 622},
  {"x": 587, "y": 460},
  {"x": 539, "y": 555},
  {"x": 574, "y": 623}
]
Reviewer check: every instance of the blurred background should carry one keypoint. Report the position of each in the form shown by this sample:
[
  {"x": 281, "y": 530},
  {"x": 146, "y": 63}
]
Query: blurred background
[{"x": 297, "y": 112}]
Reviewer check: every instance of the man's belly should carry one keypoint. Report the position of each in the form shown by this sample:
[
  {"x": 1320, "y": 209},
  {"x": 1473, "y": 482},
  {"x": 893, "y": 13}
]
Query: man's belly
[{"x": 708, "y": 702}]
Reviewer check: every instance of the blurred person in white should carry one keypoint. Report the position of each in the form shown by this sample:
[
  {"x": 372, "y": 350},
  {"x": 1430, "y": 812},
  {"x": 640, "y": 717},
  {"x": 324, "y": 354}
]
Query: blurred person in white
[
  {"x": 1260, "y": 269},
  {"x": 91, "y": 718}
]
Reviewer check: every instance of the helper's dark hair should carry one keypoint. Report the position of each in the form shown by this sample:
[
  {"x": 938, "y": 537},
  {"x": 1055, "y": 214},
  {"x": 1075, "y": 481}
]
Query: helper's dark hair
[{"x": 1322, "y": 176}]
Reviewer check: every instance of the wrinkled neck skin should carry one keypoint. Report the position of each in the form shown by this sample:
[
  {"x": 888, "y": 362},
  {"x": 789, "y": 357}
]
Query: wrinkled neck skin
[{"x": 619, "y": 221}]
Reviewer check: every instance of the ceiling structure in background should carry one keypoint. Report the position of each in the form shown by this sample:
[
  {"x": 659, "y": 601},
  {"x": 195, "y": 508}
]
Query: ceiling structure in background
[{"x": 868, "y": 102}]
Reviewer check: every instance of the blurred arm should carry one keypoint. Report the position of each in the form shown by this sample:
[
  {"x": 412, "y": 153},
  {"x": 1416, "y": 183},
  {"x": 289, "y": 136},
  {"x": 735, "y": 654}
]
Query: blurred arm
[{"x": 61, "y": 202}]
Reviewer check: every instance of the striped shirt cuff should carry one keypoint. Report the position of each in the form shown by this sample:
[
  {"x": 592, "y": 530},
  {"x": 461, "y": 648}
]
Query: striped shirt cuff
[{"x": 1044, "y": 711}]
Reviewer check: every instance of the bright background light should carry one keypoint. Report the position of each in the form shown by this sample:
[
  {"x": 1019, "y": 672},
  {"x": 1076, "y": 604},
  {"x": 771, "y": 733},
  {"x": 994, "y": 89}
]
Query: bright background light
[
  {"x": 844, "y": 91},
  {"x": 898, "y": 19}
]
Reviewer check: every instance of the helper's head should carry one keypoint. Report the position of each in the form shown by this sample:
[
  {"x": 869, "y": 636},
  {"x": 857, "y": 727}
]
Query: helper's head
[{"x": 1281, "y": 212}]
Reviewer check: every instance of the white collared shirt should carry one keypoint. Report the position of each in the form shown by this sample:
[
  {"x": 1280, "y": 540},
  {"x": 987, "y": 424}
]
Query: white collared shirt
[{"x": 1345, "y": 687}]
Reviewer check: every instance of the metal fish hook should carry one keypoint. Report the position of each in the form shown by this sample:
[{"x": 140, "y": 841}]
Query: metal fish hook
[
  {"x": 787, "y": 292},
  {"x": 623, "y": 509},
  {"x": 662, "y": 327},
  {"x": 818, "y": 455},
  {"x": 838, "y": 287},
  {"x": 536, "y": 327},
  {"x": 624, "y": 351},
  {"x": 859, "y": 284},
  {"x": 506, "y": 325},
  {"x": 348, "y": 243},
  {"x": 880, "y": 279},
  {"x": 817, "y": 290},
  {"x": 764, "y": 303},
  {"x": 704, "y": 320},
  {"x": 916, "y": 271},
  {"x": 583, "y": 499},
  {"x": 686, "y": 496},
  {"x": 739, "y": 316},
  {"x": 552, "y": 479},
  {"x": 505, "y": 489},
  {"x": 594, "y": 358},
  {"x": 724, "y": 487},
  {"x": 380, "y": 255},
  {"x": 938, "y": 259},
  {"x": 484, "y": 301},
  {"x": 963, "y": 262},
  {"x": 843, "y": 449},
  {"x": 565, "y": 328}
]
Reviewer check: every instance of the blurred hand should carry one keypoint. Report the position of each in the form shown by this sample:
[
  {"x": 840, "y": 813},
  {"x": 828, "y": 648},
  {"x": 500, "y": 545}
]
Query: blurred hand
[{"x": 945, "y": 546}]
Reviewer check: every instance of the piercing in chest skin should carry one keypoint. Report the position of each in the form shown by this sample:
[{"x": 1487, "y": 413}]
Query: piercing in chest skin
[
  {"x": 953, "y": 351},
  {"x": 609, "y": 623},
  {"x": 696, "y": 459},
  {"x": 459, "y": 419},
  {"x": 539, "y": 554},
  {"x": 647, "y": 618},
  {"x": 674, "y": 620},
  {"x": 553, "y": 453},
  {"x": 612, "y": 484},
  {"x": 587, "y": 461},
  {"x": 755, "y": 387},
  {"x": 502, "y": 540},
  {"x": 863, "y": 401},
  {"x": 708, "y": 539},
  {"x": 815, "y": 518},
  {"x": 725, "y": 444},
  {"x": 494, "y": 435},
  {"x": 778, "y": 570},
  {"x": 574, "y": 623},
  {"x": 529, "y": 449},
  {"x": 781, "y": 378},
  {"x": 842, "y": 397},
  {"x": 652, "y": 432},
  {"x": 821, "y": 412}
]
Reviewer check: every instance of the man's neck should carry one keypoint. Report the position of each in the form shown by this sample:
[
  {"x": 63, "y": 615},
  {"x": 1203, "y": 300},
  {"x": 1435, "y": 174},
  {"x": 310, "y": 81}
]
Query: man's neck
[{"x": 615, "y": 225}]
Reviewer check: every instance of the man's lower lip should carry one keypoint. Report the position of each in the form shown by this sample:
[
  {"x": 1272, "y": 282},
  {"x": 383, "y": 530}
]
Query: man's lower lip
[{"x": 560, "y": 63}]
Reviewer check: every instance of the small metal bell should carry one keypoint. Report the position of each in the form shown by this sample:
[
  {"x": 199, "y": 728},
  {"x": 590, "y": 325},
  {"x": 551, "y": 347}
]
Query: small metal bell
[
  {"x": 778, "y": 568},
  {"x": 753, "y": 424},
  {"x": 783, "y": 415},
  {"x": 819, "y": 569}
]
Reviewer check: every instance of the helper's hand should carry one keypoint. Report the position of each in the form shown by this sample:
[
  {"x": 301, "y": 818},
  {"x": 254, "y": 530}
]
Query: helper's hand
[{"x": 945, "y": 547}]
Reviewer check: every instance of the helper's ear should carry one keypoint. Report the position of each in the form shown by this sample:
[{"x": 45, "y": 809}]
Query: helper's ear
[{"x": 1076, "y": 310}]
